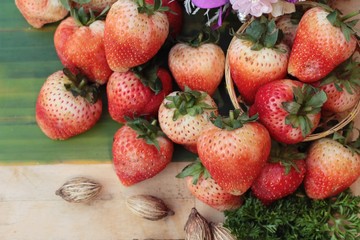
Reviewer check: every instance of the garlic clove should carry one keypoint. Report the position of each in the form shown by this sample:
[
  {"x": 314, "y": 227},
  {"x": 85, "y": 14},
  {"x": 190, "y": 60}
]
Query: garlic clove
[
  {"x": 220, "y": 232},
  {"x": 79, "y": 190},
  {"x": 148, "y": 207},
  {"x": 197, "y": 227}
]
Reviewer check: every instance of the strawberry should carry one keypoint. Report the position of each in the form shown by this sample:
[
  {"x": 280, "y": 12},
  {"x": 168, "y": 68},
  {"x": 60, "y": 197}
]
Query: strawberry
[
  {"x": 257, "y": 57},
  {"x": 140, "y": 151},
  {"x": 134, "y": 33},
  {"x": 342, "y": 87},
  {"x": 234, "y": 151},
  {"x": 79, "y": 43},
  {"x": 139, "y": 91},
  {"x": 289, "y": 109},
  {"x": 198, "y": 64},
  {"x": 175, "y": 17},
  {"x": 183, "y": 115},
  {"x": 331, "y": 167},
  {"x": 282, "y": 174},
  {"x": 323, "y": 40},
  {"x": 204, "y": 188},
  {"x": 66, "y": 106},
  {"x": 40, "y": 12}
]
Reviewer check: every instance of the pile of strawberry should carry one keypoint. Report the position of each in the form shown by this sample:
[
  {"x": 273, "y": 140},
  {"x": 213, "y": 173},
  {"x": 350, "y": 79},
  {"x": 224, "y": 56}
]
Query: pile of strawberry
[{"x": 288, "y": 84}]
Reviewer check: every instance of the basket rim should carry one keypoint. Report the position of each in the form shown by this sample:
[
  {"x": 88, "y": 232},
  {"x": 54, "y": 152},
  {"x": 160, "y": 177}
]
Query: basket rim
[{"x": 234, "y": 98}]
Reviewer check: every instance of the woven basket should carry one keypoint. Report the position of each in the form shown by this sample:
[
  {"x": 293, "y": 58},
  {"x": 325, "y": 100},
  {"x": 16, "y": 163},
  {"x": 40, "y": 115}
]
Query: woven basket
[{"x": 235, "y": 99}]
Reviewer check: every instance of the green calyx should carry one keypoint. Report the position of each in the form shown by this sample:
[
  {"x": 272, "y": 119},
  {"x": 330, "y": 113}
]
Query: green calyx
[
  {"x": 263, "y": 33},
  {"x": 80, "y": 86},
  {"x": 205, "y": 35},
  {"x": 196, "y": 170},
  {"x": 286, "y": 155},
  {"x": 150, "y": 9},
  {"x": 147, "y": 73},
  {"x": 343, "y": 22},
  {"x": 236, "y": 119},
  {"x": 188, "y": 102},
  {"x": 149, "y": 131},
  {"x": 346, "y": 74},
  {"x": 81, "y": 17},
  {"x": 307, "y": 100}
]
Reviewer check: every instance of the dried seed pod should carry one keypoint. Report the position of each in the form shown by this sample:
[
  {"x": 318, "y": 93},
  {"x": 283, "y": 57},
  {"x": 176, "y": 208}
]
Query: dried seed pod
[
  {"x": 196, "y": 227},
  {"x": 79, "y": 190},
  {"x": 219, "y": 232},
  {"x": 148, "y": 207}
]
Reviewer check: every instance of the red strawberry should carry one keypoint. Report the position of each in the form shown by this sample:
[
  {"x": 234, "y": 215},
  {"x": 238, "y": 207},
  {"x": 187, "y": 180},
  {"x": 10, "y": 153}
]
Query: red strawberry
[
  {"x": 134, "y": 33},
  {"x": 140, "y": 151},
  {"x": 252, "y": 62},
  {"x": 198, "y": 65},
  {"x": 184, "y": 115},
  {"x": 289, "y": 109},
  {"x": 40, "y": 12},
  {"x": 320, "y": 45},
  {"x": 282, "y": 174},
  {"x": 342, "y": 87},
  {"x": 331, "y": 168},
  {"x": 175, "y": 17},
  {"x": 66, "y": 106},
  {"x": 234, "y": 152},
  {"x": 204, "y": 188},
  {"x": 136, "y": 93},
  {"x": 80, "y": 47}
]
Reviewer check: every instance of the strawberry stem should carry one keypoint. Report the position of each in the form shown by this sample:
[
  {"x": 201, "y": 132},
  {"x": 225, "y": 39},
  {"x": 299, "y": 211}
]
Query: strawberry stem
[
  {"x": 146, "y": 130},
  {"x": 188, "y": 102},
  {"x": 80, "y": 86},
  {"x": 349, "y": 15},
  {"x": 236, "y": 119}
]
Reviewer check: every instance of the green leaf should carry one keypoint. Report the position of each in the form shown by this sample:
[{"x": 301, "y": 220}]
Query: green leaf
[
  {"x": 195, "y": 170},
  {"x": 291, "y": 107},
  {"x": 66, "y": 4},
  {"x": 317, "y": 99},
  {"x": 146, "y": 130},
  {"x": 346, "y": 31},
  {"x": 333, "y": 18},
  {"x": 272, "y": 35}
]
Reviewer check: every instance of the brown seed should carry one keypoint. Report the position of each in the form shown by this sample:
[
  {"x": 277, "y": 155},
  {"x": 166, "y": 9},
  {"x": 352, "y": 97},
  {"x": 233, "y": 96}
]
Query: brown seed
[
  {"x": 196, "y": 227},
  {"x": 148, "y": 207},
  {"x": 79, "y": 190}
]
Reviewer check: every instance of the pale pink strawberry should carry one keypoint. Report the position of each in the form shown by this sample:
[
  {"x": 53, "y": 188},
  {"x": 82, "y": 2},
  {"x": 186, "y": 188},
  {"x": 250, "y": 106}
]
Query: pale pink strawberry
[
  {"x": 331, "y": 168},
  {"x": 40, "y": 12},
  {"x": 199, "y": 67},
  {"x": 254, "y": 61},
  {"x": 66, "y": 107},
  {"x": 184, "y": 115}
]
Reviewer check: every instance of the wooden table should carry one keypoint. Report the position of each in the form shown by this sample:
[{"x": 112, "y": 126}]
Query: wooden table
[{"x": 34, "y": 167}]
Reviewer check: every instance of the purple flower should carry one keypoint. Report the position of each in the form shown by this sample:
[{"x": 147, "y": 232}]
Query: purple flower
[
  {"x": 253, "y": 7},
  {"x": 209, "y": 4}
]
